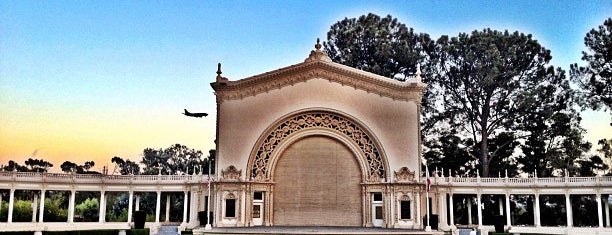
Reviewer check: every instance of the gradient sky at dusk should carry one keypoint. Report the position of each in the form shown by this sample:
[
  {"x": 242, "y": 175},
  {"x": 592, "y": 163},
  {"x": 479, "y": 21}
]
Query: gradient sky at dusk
[{"x": 89, "y": 80}]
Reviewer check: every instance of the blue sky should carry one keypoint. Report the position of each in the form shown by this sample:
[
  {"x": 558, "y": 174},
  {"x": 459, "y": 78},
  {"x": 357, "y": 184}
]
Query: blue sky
[{"x": 88, "y": 80}]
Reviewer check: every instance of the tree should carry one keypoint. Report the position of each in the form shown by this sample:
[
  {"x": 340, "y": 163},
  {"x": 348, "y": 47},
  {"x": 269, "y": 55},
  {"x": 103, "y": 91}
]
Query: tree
[
  {"x": 383, "y": 46},
  {"x": 176, "y": 159},
  {"x": 38, "y": 165},
  {"x": 595, "y": 79},
  {"x": 492, "y": 83},
  {"x": 71, "y": 167},
  {"x": 14, "y": 166},
  {"x": 126, "y": 167}
]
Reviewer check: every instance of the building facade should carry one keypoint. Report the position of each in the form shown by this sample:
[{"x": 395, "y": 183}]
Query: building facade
[{"x": 318, "y": 144}]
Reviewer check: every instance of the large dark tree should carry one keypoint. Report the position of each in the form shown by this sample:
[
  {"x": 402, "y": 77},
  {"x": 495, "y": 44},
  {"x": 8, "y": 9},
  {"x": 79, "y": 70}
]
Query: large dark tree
[
  {"x": 495, "y": 84},
  {"x": 383, "y": 46},
  {"x": 595, "y": 79}
]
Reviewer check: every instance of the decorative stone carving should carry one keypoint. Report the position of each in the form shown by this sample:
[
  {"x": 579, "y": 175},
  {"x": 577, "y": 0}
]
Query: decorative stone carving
[
  {"x": 231, "y": 174},
  {"x": 404, "y": 175},
  {"x": 318, "y": 120}
]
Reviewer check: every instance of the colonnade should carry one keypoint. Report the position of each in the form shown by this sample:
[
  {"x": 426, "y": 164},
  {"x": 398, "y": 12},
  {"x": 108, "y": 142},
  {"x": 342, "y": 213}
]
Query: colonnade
[
  {"x": 536, "y": 210},
  {"x": 38, "y": 206}
]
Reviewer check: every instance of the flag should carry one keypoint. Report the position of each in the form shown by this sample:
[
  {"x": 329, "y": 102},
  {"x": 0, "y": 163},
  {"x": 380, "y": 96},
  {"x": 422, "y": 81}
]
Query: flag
[{"x": 428, "y": 181}]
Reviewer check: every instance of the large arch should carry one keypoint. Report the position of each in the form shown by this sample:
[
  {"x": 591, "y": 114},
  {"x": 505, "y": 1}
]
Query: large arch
[
  {"x": 317, "y": 182},
  {"x": 317, "y": 121}
]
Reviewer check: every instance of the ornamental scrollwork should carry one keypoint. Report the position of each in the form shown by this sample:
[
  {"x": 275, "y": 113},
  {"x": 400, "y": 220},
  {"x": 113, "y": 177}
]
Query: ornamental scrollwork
[
  {"x": 231, "y": 174},
  {"x": 305, "y": 121},
  {"x": 404, "y": 175}
]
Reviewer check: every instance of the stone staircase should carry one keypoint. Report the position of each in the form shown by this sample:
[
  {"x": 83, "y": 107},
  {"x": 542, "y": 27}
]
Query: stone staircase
[{"x": 168, "y": 230}]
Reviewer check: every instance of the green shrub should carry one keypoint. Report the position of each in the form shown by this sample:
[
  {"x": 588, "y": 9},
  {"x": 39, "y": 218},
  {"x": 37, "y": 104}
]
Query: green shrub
[
  {"x": 53, "y": 211},
  {"x": 88, "y": 210},
  {"x": 137, "y": 232},
  {"x": 22, "y": 211}
]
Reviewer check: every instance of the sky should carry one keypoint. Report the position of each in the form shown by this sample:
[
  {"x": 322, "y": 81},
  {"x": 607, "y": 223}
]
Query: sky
[{"x": 89, "y": 80}]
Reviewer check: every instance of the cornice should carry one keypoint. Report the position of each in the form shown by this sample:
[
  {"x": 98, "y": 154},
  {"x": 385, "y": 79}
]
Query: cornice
[{"x": 319, "y": 69}]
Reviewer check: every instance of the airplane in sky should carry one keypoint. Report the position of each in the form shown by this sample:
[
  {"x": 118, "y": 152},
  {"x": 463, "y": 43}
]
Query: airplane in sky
[{"x": 198, "y": 115}]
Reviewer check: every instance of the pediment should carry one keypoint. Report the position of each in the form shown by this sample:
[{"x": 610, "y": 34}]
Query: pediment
[{"x": 318, "y": 66}]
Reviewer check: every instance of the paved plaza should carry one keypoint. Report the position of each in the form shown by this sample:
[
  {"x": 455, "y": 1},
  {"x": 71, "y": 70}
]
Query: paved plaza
[{"x": 312, "y": 230}]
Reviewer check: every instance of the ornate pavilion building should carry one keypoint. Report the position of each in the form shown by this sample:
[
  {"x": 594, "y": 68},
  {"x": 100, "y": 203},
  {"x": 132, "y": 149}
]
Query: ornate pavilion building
[{"x": 318, "y": 144}]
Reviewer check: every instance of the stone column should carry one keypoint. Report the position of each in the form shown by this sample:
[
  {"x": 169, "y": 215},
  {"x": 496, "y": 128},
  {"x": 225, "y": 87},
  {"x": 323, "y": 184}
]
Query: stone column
[
  {"x": 130, "y": 205},
  {"x": 168, "y": 208},
  {"x": 500, "y": 203},
  {"x": 137, "y": 207},
  {"x": 34, "y": 206},
  {"x": 418, "y": 207},
  {"x": 607, "y": 207},
  {"x": 102, "y": 207},
  {"x": 157, "y": 207},
  {"x": 42, "y": 206},
  {"x": 452, "y": 209},
  {"x": 469, "y": 209},
  {"x": 185, "y": 202},
  {"x": 479, "y": 209},
  {"x": 71, "y": 202},
  {"x": 9, "y": 218},
  {"x": 568, "y": 209},
  {"x": 193, "y": 213},
  {"x": 536, "y": 210},
  {"x": 599, "y": 212},
  {"x": 442, "y": 209},
  {"x": 508, "y": 213}
]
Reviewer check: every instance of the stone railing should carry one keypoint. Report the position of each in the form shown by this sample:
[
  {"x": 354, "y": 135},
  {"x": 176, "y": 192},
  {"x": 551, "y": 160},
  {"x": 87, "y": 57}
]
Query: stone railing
[
  {"x": 97, "y": 179},
  {"x": 523, "y": 182}
]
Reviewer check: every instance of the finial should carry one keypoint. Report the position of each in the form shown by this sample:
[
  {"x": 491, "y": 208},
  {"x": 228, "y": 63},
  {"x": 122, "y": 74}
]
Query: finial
[
  {"x": 477, "y": 173},
  {"x": 417, "y": 75},
  {"x": 318, "y": 54},
  {"x": 506, "y": 173},
  {"x": 535, "y": 173},
  {"x": 318, "y": 45},
  {"x": 220, "y": 79}
]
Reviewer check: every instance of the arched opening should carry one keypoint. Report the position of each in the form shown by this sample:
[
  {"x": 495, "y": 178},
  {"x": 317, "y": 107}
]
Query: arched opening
[{"x": 317, "y": 183}]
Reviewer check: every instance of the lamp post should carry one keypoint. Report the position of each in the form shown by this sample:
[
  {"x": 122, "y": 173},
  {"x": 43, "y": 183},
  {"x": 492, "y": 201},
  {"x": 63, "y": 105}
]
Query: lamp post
[{"x": 208, "y": 180}]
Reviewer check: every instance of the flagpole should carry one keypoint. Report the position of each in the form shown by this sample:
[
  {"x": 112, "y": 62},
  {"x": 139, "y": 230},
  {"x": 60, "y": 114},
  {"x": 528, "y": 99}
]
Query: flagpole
[
  {"x": 208, "y": 226},
  {"x": 427, "y": 185}
]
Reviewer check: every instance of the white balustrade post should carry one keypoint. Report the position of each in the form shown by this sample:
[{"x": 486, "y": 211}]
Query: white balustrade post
[
  {"x": 71, "y": 202},
  {"x": 102, "y": 217},
  {"x": 599, "y": 212},
  {"x": 34, "y": 206},
  {"x": 157, "y": 206},
  {"x": 185, "y": 202},
  {"x": 536, "y": 211},
  {"x": 42, "y": 206},
  {"x": 168, "y": 208},
  {"x": 469, "y": 209},
  {"x": 568, "y": 209},
  {"x": 508, "y": 213},
  {"x": 9, "y": 218},
  {"x": 130, "y": 205},
  {"x": 479, "y": 201}
]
